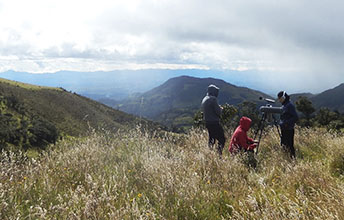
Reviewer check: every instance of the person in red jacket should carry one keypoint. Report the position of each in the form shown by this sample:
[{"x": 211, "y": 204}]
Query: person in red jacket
[{"x": 239, "y": 140}]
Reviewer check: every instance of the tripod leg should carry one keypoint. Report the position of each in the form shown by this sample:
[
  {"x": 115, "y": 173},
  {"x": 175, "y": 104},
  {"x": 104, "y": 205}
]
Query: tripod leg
[
  {"x": 260, "y": 131},
  {"x": 259, "y": 138},
  {"x": 277, "y": 126},
  {"x": 260, "y": 125}
]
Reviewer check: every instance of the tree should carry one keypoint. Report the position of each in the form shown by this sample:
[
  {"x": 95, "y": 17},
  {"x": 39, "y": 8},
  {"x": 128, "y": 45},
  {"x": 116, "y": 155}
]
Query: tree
[
  {"x": 250, "y": 110},
  {"x": 198, "y": 119},
  {"x": 43, "y": 133},
  {"x": 226, "y": 119},
  {"x": 228, "y": 113},
  {"x": 325, "y": 116},
  {"x": 8, "y": 134},
  {"x": 304, "y": 105}
]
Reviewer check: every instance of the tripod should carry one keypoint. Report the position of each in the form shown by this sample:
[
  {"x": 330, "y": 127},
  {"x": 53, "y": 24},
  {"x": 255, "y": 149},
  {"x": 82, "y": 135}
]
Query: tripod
[{"x": 261, "y": 125}]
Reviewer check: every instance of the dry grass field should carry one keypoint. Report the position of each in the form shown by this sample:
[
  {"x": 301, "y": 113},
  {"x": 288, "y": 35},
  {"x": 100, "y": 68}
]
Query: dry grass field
[{"x": 138, "y": 175}]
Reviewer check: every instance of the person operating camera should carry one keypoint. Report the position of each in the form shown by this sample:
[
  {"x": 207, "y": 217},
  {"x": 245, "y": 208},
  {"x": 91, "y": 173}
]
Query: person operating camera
[{"x": 287, "y": 123}]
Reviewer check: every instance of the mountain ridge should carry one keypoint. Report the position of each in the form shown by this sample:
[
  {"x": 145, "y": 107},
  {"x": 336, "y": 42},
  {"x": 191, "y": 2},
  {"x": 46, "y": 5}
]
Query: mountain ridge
[
  {"x": 331, "y": 98},
  {"x": 184, "y": 94}
]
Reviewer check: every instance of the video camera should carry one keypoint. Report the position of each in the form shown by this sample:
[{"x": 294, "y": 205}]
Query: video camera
[{"x": 268, "y": 108}]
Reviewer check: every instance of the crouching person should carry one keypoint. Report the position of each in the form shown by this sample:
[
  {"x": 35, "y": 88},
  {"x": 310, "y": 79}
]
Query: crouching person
[{"x": 241, "y": 143}]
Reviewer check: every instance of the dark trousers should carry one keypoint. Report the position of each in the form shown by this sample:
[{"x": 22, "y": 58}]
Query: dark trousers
[
  {"x": 216, "y": 133},
  {"x": 287, "y": 141}
]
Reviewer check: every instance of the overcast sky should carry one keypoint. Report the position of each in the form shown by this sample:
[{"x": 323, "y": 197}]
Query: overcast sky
[{"x": 296, "y": 44}]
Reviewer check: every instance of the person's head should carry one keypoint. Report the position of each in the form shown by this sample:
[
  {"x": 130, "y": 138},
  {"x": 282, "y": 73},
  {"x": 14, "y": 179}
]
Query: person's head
[
  {"x": 245, "y": 123},
  {"x": 283, "y": 96},
  {"x": 213, "y": 90}
]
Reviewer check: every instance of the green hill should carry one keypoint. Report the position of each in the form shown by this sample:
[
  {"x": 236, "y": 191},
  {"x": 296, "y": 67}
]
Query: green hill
[
  {"x": 294, "y": 97},
  {"x": 35, "y": 115},
  {"x": 332, "y": 99},
  {"x": 175, "y": 102}
]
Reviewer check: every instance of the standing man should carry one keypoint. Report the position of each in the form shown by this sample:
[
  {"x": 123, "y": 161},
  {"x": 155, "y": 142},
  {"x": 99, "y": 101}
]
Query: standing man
[
  {"x": 287, "y": 123},
  {"x": 211, "y": 113}
]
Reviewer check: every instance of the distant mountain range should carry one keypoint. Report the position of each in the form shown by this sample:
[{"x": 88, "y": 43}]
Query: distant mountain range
[
  {"x": 162, "y": 95},
  {"x": 174, "y": 102},
  {"x": 332, "y": 99},
  {"x": 121, "y": 84},
  {"x": 112, "y": 85},
  {"x": 296, "y": 96},
  {"x": 96, "y": 85}
]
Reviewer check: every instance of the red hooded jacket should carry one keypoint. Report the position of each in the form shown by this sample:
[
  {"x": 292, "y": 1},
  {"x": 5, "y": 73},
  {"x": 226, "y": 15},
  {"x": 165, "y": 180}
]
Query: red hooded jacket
[{"x": 239, "y": 139}]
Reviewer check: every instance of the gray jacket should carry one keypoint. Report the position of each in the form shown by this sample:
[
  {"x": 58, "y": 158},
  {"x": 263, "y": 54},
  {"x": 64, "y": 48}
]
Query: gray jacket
[{"x": 211, "y": 109}]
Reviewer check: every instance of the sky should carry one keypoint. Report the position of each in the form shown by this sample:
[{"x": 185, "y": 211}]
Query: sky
[{"x": 292, "y": 44}]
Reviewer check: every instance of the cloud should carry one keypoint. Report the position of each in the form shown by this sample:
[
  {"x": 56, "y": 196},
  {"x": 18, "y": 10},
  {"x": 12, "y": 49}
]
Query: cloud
[{"x": 298, "y": 40}]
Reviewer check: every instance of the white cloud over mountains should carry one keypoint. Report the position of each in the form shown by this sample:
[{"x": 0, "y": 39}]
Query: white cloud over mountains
[{"x": 301, "y": 41}]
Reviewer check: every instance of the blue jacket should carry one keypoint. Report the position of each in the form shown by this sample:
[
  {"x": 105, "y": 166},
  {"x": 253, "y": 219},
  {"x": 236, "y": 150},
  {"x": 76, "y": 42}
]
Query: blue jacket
[{"x": 289, "y": 116}]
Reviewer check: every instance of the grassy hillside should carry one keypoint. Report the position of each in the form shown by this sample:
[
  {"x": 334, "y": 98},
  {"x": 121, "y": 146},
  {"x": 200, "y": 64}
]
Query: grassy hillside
[
  {"x": 138, "y": 176},
  {"x": 23, "y": 105}
]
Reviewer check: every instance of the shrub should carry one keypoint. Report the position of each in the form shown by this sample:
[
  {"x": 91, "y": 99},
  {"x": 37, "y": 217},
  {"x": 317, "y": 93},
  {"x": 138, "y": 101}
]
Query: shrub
[
  {"x": 337, "y": 164},
  {"x": 43, "y": 133}
]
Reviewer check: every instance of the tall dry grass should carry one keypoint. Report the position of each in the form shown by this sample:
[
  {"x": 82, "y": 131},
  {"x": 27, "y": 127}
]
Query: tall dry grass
[{"x": 138, "y": 175}]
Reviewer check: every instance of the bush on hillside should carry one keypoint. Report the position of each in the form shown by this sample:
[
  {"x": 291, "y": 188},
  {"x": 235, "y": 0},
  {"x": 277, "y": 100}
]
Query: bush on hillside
[
  {"x": 250, "y": 110},
  {"x": 43, "y": 133},
  {"x": 228, "y": 113},
  {"x": 8, "y": 128},
  {"x": 24, "y": 133},
  {"x": 304, "y": 105},
  {"x": 227, "y": 116}
]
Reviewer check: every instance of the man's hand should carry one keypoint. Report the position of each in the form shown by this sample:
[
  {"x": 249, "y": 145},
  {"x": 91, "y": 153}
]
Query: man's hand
[
  {"x": 253, "y": 142},
  {"x": 252, "y": 146}
]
